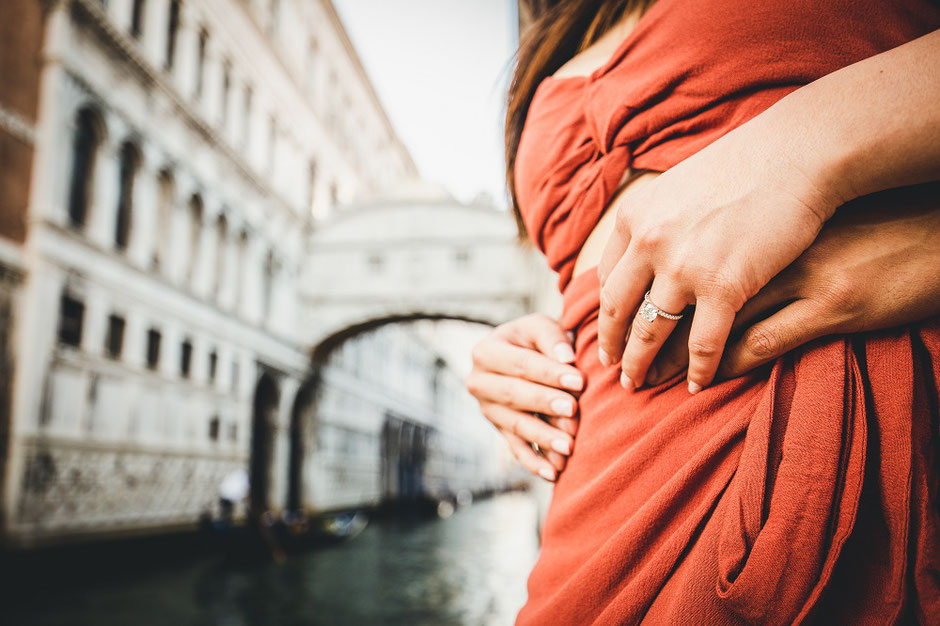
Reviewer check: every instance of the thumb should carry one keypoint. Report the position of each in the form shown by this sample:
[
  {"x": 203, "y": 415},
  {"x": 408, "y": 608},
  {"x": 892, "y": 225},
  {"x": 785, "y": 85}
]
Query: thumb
[
  {"x": 547, "y": 335},
  {"x": 790, "y": 327}
]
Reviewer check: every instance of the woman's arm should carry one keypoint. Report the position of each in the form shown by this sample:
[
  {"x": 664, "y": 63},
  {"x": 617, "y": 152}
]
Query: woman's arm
[
  {"x": 873, "y": 266},
  {"x": 714, "y": 229}
]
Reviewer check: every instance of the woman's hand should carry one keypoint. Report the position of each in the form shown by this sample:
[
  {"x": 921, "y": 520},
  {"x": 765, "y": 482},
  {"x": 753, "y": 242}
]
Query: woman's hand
[
  {"x": 873, "y": 266},
  {"x": 520, "y": 371},
  {"x": 711, "y": 231}
]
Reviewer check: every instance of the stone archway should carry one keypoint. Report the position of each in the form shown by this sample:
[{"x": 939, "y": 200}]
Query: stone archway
[{"x": 263, "y": 424}]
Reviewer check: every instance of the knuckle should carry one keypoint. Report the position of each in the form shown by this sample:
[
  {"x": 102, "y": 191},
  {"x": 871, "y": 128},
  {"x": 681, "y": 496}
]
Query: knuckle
[
  {"x": 703, "y": 349},
  {"x": 649, "y": 238},
  {"x": 608, "y": 304},
  {"x": 761, "y": 342},
  {"x": 517, "y": 367},
  {"x": 478, "y": 352},
  {"x": 642, "y": 332},
  {"x": 719, "y": 286}
]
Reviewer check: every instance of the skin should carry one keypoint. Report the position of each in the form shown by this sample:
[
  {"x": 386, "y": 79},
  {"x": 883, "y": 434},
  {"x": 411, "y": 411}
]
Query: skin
[{"x": 748, "y": 231}]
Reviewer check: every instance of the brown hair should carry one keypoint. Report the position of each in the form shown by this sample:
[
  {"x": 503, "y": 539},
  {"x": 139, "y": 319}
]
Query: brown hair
[{"x": 559, "y": 30}]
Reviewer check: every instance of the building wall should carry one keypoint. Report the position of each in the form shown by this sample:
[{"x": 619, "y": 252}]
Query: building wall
[{"x": 106, "y": 434}]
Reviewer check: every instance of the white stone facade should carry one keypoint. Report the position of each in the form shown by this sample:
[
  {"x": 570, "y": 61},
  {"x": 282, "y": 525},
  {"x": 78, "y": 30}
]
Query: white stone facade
[
  {"x": 204, "y": 211},
  {"x": 256, "y": 120}
]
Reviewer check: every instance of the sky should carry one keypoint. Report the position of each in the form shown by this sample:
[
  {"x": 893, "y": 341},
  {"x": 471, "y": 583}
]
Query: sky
[{"x": 440, "y": 68}]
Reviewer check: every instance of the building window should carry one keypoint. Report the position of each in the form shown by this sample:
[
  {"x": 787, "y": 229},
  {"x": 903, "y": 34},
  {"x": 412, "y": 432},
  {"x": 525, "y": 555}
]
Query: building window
[
  {"x": 87, "y": 139},
  {"x": 246, "y": 117},
  {"x": 213, "y": 365},
  {"x": 115, "y": 339},
  {"x": 214, "y": 428},
  {"x": 272, "y": 143},
  {"x": 172, "y": 29},
  {"x": 226, "y": 88},
  {"x": 242, "y": 266},
  {"x": 195, "y": 233},
  {"x": 130, "y": 162},
  {"x": 164, "y": 218},
  {"x": 312, "y": 187},
  {"x": 221, "y": 246},
  {"x": 137, "y": 19},
  {"x": 233, "y": 432},
  {"x": 235, "y": 375},
  {"x": 334, "y": 194},
  {"x": 153, "y": 348},
  {"x": 462, "y": 258},
  {"x": 186, "y": 358},
  {"x": 376, "y": 261},
  {"x": 201, "y": 60},
  {"x": 71, "y": 316},
  {"x": 270, "y": 267}
]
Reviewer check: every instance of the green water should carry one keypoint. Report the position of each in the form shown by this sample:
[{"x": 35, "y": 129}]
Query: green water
[{"x": 468, "y": 569}]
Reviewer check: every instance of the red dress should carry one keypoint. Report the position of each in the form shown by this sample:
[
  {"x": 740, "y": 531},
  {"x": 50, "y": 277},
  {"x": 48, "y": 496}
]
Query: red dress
[{"x": 803, "y": 492}]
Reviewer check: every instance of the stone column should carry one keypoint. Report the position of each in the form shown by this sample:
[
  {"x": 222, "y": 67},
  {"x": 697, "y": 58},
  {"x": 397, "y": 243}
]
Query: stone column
[
  {"x": 281, "y": 452},
  {"x": 99, "y": 221},
  {"x": 154, "y": 36}
]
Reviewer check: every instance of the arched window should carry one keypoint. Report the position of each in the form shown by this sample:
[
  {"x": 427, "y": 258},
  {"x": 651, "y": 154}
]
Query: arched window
[
  {"x": 246, "y": 116},
  {"x": 137, "y": 19},
  {"x": 130, "y": 163},
  {"x": 267, "y": 285},
  {"x": 86, "y": 141},
  {"x": 195, "y": 233},
  {"x": 221, "y": 244},
  {"x": 164, "y": 223},
  {"x": 312, "y": 188},
  {"x": 241, "y": 263},
  {"x": 201, "y": 60},
  {"x": 226, "y": 88},
  {"x": 172, "y": 29}
]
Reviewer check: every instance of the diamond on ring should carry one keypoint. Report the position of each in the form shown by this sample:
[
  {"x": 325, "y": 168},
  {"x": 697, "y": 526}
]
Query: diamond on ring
[{"x": 650, "y": 311}]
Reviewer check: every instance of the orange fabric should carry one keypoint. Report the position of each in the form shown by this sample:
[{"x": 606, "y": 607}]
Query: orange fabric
[{"x": 803, "y": 492}]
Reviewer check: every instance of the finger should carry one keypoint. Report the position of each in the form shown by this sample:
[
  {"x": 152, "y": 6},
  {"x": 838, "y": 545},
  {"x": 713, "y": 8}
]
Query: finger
[
  {"x": 649, "y": 332},
  {"x": 616, "y": 247},
  {"x": 557, "y": 461},
  {"x": 790, "y": 327},
  {"x": 529, "y": 427},
  {"x": 500, "y": 357},
  {"x": 529, "y": 459},
  {"x": 673, "y": 357},
  {"x": 619, "y": 298},
  {"x": 541, "y": 332},
  {"x": 711, "y": 324},
  {"x": 520, "y": 394},
  {"x": 777, "y": 293},
  {"x": 566, "y": 424}
]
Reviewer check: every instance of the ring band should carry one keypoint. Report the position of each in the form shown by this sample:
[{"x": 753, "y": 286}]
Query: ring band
[{"x": 650, "y": 311}]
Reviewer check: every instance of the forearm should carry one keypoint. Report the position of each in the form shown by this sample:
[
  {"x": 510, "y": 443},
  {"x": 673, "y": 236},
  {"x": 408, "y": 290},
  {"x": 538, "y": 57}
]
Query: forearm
[{"x": 870, "y": 126}]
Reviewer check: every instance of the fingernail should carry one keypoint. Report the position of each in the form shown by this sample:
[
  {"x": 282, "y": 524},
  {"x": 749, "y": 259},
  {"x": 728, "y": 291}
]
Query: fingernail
[
  {"x": 563, "y": 407},
  {"x": 570, "y": 335},
  {"x": 602, "y": 357},
  {"x": 694, "y": 387},
  {"x": 562, "y": 446},
  {"x": 547, "y": 474},
  {"x": 625, "y": 382},
  {"x": 572, "y": 381},
  {"x": 567, "y": 424},
  {"x": 563, "y": 353}
]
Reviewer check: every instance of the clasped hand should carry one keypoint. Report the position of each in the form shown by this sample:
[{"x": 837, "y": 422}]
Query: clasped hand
[{"x": 709, "y": 233}]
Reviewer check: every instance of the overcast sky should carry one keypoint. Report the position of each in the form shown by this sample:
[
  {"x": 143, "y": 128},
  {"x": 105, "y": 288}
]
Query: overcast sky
[{"x": 440, "y": 68}]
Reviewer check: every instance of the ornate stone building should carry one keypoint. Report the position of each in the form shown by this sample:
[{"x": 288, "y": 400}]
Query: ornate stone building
[{"x": 170, "y": 240}]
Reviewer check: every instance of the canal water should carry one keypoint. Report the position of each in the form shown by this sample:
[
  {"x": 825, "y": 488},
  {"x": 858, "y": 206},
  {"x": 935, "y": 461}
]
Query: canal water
[{"x": 470, "y": 569}]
